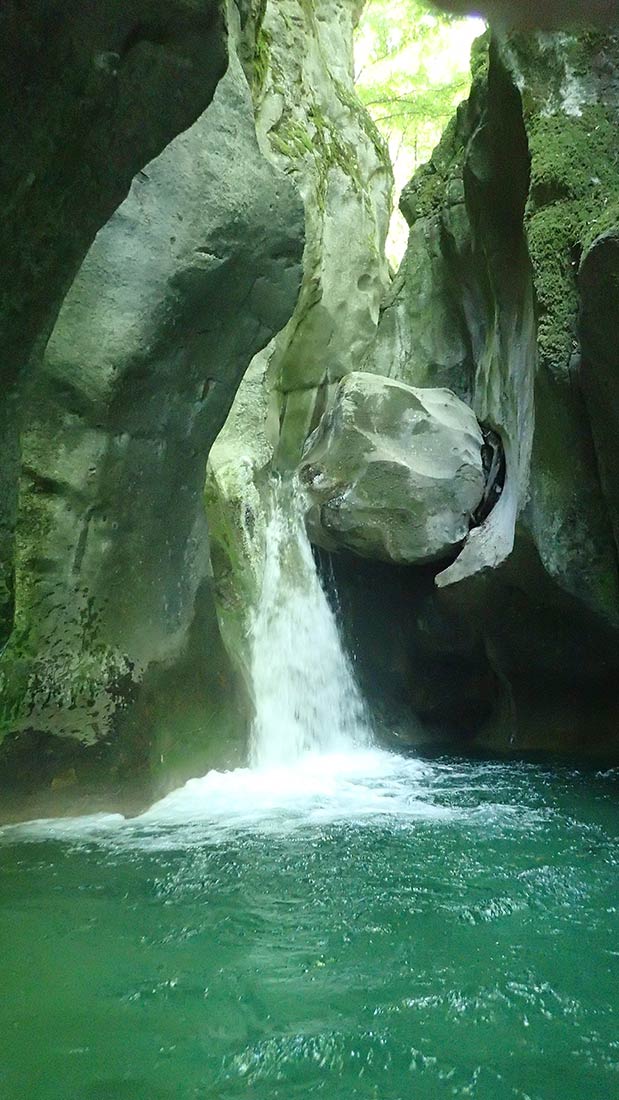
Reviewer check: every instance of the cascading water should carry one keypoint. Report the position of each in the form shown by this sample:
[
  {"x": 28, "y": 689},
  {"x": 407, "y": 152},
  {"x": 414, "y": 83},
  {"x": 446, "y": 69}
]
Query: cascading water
[
  {"x": 335, "y": 921},
  {"x": 311, "y": 753},
  {"x": 305, "y": 693}
]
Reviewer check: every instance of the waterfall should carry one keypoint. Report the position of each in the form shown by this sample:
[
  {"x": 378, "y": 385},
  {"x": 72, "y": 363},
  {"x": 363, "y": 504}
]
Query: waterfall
[
  {"x": 312, "y": 754},
  {"x": 305, "y": 694}
]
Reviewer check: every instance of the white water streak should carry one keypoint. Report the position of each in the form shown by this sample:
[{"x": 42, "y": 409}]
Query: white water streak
[{"x": 305, "y": 693}]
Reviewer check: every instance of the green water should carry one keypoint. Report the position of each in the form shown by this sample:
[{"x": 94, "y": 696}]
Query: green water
[{"x": 420, "y": 935}]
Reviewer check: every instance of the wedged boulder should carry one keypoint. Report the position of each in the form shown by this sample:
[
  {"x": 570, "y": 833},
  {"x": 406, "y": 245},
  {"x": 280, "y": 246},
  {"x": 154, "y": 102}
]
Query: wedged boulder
[
  {"x": 508, "y": 296},
  {"x": 393, "y": 473}
]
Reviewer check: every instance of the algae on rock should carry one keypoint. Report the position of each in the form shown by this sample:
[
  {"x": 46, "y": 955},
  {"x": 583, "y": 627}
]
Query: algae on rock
[
  {"x": 193, "y": 274},
  {"x": 312, "y": 127},
  {"x": 487, "y": 301}
]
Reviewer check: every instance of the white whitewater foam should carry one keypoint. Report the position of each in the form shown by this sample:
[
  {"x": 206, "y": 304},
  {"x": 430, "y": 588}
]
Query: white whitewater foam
[
  {"x": 310, "y": 751},
  {"x": 358, "y": 787},
  {"x": 366, "y": 788},
  {"x": 305, "y": 694},
  {"x": 318, "y": 788}
]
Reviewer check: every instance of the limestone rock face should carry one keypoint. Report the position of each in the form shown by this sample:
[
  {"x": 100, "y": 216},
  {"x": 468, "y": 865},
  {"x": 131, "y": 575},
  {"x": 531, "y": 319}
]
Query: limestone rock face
[
  {"x": 598, "y": 284},
  {"x": 89, "y": 93},
  {"x": 312, "y": 127},
  {"x": 193, "y": 274},
  {"x": 507, "y": 295},
  {"x": 393, "y": 473}
]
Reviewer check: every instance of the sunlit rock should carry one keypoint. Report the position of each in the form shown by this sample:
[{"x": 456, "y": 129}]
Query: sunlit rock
[
  {"x": 393, "y": 473},
  {"x": 310, "y": 125},
  {"x": 117, "y": 640}
]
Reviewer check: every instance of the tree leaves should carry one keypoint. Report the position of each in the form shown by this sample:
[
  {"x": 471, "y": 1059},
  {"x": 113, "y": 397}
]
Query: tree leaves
[
  {"x": 412, "y": 69},
  {"x": 400, "y": 78}
]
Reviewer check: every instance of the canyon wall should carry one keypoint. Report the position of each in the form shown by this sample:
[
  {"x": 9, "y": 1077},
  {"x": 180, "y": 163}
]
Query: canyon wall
[
  {"x": 505, "y": 296},
  {"x": 88, "y": 95},
  {"x": 114, "y": 674},
  {"x": 195, "y": 228}
]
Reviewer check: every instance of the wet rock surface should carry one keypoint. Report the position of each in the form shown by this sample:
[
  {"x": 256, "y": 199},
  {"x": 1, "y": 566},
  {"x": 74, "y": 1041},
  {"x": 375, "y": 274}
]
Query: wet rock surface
[
  {"x": 393, "y": 473},
  {"x": 311, "y": 126},
  {"x": 88, "y": 95},
  {"x": 506, "y": 294},
  {"x": 115, "y": 640}
]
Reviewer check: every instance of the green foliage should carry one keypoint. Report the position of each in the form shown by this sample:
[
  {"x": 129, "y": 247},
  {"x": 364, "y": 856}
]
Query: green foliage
[
  {"x": 400, "y": 77},
  {"x": 413, "y": 68},
  {"x": 574, "y": 195}
]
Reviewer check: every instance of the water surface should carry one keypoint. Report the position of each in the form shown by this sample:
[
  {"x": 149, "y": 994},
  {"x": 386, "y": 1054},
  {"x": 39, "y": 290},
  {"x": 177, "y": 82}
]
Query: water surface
[{"x": 353, "y": 926}]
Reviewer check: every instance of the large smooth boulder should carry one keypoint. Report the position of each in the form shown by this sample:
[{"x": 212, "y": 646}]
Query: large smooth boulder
[{"x": 393, "y": 473}]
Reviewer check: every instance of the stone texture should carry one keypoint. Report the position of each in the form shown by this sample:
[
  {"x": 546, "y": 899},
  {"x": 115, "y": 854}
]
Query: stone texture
[
  {"x": 393, "y": 473},
  {"x": 546, "y": 14},
  {"x": 88, "y": 94},
  {"x": 512, "y": 224},
  {"x": 468, "y": 251},
  {"x": 312, "y": 127},
  {"x": 598, "y": 284},
  {"x": 488, "y": 301},
  {"x": 237, "y": 504},
  {"x": 191, "y": 276}
]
